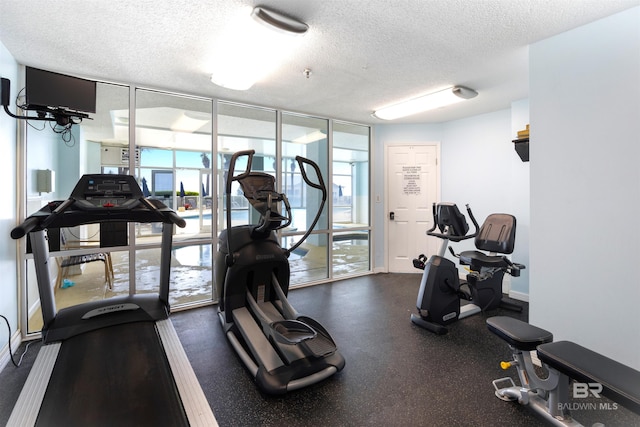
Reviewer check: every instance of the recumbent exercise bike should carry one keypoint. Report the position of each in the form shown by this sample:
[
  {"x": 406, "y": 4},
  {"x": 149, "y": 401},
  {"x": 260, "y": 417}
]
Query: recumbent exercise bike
[{"x": 441, "y": 291}]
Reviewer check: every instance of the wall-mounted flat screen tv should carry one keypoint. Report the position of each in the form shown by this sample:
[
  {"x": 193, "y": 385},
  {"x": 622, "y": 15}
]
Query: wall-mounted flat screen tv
[{"x": 58, "y": 91}]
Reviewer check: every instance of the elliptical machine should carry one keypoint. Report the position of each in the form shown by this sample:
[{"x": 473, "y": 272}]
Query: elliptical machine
[
  {"x": 282, "y": 349},
  {"x": 441, "y": 293}
]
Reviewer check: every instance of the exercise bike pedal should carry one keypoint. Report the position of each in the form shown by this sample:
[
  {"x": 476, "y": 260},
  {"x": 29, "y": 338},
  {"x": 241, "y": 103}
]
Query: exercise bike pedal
[
  {"x": 500, "y": 391},
  {"x": 464, "y": 291},
  {"x": 420, "y": 262}
]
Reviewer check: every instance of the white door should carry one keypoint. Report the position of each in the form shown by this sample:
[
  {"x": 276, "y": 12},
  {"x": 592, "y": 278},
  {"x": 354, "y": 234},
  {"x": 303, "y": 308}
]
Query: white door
[{"x": 413, "y": 178}]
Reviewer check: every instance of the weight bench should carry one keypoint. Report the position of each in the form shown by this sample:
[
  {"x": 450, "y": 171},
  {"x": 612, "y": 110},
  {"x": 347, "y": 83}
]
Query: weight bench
[
  {"x": 565, "y": 361},
  {"x": 619, "y": 382}
]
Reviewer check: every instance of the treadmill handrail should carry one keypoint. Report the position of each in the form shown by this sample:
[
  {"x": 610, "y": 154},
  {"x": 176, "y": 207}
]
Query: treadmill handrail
[{"x": 60, "y": 216}]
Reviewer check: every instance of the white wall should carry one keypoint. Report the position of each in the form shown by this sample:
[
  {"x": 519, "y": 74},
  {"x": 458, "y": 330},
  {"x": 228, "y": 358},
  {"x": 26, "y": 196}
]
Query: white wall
[
  {"x": 8, "y": 259},
  {"x": 585, "y": 185},
  {"x": 479, "y": 166},
  {"x": 384, "y": 135}
]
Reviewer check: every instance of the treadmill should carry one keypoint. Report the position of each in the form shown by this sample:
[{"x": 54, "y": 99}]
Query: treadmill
[{"x": 116, "y": 361}]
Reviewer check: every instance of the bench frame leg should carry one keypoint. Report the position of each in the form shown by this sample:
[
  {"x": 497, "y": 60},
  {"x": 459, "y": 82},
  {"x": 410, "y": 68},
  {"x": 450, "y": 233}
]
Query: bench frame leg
[{"x": 547, "y": 396}]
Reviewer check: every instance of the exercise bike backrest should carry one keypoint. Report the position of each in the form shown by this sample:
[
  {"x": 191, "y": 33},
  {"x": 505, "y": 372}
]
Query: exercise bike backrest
[
  {"x": 451, "y": 223},
  {"x": 497, "y": 234},
  {"x": 259, "y": 189}
]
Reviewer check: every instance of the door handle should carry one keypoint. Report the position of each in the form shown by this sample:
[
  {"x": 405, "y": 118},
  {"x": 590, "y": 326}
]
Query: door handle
[{"x": 392, "y": 216}]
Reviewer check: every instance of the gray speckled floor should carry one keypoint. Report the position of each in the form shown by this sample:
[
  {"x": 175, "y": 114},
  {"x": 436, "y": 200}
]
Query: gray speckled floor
[{"x": 396, "y": 374}]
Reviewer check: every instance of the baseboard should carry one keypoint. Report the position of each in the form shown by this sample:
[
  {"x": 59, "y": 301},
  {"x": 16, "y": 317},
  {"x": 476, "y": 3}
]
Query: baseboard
[
  {"x": 16, "y": 340},
  {"x": 520, "y": 296},
  {"x": 380, "y": 270}
]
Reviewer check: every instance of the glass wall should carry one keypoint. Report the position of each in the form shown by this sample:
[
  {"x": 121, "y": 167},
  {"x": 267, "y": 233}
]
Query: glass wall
[
  {"x": 178, "y": 148},
  {"x": 241, "y": 128},
  {"x": 350, "y": 200},
  {"x": 173, "y": 143},
  {"x": 307, "y": 137}
]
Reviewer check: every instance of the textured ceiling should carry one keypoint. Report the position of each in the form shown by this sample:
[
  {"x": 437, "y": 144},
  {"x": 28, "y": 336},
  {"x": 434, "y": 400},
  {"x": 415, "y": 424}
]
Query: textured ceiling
[{"x": 364, "y": 54}]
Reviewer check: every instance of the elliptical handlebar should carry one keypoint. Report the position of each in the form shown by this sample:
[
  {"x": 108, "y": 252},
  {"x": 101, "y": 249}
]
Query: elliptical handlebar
[
  {"x": 232, "y": 168},
  {"x": 229, "y": 259},
  {"x": 302, "y": 161},
  {"x": 318, "y": 186}
]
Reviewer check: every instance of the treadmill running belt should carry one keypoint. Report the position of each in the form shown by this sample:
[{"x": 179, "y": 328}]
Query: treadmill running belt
[{"x": 115, "y": 376}]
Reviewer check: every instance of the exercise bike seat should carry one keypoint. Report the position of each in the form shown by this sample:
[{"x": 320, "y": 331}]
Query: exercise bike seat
[
  {"x": 480, "y": 259},
  {"x": 496, "y": 236},
  {"x": 517, "y": 333}
]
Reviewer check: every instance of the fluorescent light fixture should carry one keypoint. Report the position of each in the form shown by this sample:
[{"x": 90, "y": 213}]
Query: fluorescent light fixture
[
  {"x": 314, "y": 136},
  {"x": 428, "y": 102},
  {"x": 254, "y": 45}
]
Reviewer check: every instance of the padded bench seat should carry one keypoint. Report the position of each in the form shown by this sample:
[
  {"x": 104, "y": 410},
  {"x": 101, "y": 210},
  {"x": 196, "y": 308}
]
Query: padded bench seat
[
  {"x": 620, "y": 383},
  {"x": 517, "y": 333}
]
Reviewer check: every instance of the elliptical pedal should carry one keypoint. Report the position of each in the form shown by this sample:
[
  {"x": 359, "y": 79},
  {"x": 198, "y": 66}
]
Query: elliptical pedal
[{"x": 321, "y": 346}]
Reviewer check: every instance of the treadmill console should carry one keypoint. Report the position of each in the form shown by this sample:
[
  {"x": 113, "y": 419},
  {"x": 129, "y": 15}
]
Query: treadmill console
[{"x": 107, "y": 191}]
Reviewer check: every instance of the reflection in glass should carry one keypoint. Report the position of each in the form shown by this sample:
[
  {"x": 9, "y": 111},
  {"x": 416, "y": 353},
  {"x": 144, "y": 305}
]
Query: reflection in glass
[
  {"x": 307, "y": 137},
  {"x": 350, "y": 253},
  {"x": 350, "y": 181},
  {"x": 79, "y": 283},
  {"x": 308, "y": 263},
  {"x": 174, "y": 144},
  {"x": 191, "y": 274},
  {"x": 350, "y": 200},
  {"x": 242, "y": 128}
]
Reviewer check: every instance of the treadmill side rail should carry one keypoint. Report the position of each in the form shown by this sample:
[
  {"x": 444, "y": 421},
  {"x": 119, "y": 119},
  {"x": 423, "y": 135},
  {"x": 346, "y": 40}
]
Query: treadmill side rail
[
  {"x": 194, "y": 401},
  {"x": 26, "y": 410}
]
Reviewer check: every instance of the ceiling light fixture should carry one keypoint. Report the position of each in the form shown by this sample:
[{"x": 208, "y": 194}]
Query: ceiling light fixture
[
  {"x": 428, "y": 102},
  {"x": 253, "y": 46},
  {"x": 279, "y": 21}
]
